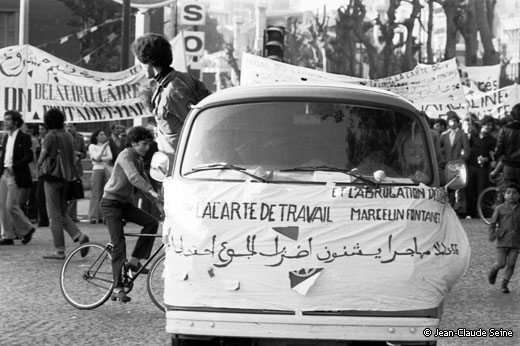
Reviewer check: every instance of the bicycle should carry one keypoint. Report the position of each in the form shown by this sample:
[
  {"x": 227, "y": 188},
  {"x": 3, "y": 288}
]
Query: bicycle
[
  {"x": 87, "y": 282},
  {"x": 488, "y": 200}
]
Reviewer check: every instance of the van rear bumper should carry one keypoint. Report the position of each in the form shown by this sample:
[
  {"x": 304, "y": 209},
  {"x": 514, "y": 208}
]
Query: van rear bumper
[{"x": 300, "y": 326}]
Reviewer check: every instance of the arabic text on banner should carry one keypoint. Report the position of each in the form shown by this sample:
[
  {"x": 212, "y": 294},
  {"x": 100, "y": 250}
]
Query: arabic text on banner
[{"x": 235, "y": 245}]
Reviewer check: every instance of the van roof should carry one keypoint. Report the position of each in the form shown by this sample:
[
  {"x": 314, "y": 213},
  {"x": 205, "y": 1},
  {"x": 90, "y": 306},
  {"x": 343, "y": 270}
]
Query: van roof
[{"x": 349, "y": 92}]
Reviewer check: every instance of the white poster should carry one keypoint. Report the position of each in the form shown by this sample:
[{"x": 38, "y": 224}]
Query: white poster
[
  {"x": 32, "y": 81},
  {"x": 257, "y": 70},
  {"x": 435, "y": 89},
  {"x": 269, "y": 246},
  {"x": 484, "y": 78},
  {"x": 496, "y": 103}
]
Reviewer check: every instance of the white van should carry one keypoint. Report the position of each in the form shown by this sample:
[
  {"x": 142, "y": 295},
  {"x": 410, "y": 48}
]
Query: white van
[{"x": 308, "y": 214}]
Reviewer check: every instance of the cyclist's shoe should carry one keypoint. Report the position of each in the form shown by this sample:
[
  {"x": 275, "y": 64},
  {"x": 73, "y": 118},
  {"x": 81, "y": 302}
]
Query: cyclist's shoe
[
  {"x": 492, "y": 277},
  {"x": 135, "y": 268},
  {"x": 120, "y": 294}
]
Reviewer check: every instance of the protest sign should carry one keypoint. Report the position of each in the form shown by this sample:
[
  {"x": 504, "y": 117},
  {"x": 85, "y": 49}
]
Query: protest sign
[
  {"x": 435, "y": 89},
  {"x": 484, "y": 78},
  {"x": 32, "y": 81},
  {"x": 285, "y": 241},
  {"x": 257, "y": 70},
  {"x": 497, "y": 103}
]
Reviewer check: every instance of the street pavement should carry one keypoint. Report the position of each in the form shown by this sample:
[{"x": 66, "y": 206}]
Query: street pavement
[{"x": 33, "y": 311}]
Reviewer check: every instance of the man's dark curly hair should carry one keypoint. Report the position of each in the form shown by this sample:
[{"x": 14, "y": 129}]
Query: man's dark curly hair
[
  {"x": 54, "y": 119},
  {"x": 153, "y": 49},
  {"x": 138, "y": 133}
]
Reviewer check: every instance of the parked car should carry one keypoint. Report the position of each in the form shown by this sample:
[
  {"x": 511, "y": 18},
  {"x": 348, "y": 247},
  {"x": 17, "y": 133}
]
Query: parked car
[{"x": 308, "y": 214}]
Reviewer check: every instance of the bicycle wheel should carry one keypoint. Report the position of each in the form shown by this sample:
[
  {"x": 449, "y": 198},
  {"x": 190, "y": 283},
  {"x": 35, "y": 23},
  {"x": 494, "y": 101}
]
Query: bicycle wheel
[
  {"x": 87, "y": 282},
  {"x": 155, "y": 282},
  {"x": 487, "y": 201}
]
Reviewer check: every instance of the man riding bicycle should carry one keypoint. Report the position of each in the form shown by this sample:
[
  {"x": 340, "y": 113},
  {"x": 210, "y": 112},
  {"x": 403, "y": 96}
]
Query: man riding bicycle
[{"x": 117, "y": 206}]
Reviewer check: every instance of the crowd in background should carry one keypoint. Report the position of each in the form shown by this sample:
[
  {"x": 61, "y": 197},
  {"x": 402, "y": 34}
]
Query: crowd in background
[
  {"x": 473, "y": 141},
  {"x": 101, "y": 149}
]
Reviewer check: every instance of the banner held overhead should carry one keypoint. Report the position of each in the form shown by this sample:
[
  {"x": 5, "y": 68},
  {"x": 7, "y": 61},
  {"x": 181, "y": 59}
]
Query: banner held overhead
[{"x": 32, "y": 81}]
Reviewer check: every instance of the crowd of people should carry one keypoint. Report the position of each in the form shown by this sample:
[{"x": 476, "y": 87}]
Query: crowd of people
[
  {"x": 38, "y": 162},
  {"x": 490, "y": 148},
  {"x": 31, "y": 197},
  {"x": 476, "y": 142}
]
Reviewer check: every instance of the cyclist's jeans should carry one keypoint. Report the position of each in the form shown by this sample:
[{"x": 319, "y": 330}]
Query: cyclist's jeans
[{"x": 114, "y": 213}]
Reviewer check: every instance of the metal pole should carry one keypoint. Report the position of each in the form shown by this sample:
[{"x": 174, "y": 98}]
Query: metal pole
[
  {"x": 23, "y": 26},
  {"x": 125, "y": 36}
]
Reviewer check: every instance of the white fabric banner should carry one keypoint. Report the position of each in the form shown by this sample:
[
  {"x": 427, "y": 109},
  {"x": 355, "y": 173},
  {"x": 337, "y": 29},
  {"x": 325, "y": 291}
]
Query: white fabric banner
[
  {"x": 435, "y": 89},
  {"x": 269, "y": 246},
  {"x": 257, "y": 70},
  {"x": 32, "y": 81},
  {"x": 496, "y": 103},
  {"x": 485, "y": 78},
  {"x": 178, "y": 52}
]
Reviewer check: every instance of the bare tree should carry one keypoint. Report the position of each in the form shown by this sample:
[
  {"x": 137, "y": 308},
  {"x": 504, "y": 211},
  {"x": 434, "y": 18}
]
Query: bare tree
[
  {"x": 350, "y": 26},
  {"x": 451, "y": 9},
  {"x": 484, "y": 15},
  {"x": 429, "y": 33},
  {"x": 411, "y": 47},
  {"x": 466, "y": 24}
]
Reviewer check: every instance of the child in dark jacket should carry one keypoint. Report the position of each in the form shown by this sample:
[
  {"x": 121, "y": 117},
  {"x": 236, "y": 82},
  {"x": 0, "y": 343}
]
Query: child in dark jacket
[{"x": 504, "y": 228}]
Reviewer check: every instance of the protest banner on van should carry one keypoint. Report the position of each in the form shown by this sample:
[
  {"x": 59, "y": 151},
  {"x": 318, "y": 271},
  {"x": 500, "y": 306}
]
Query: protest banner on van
[
  {"x": 33, "y": 81},
  {"x": 247, "y": 243}
]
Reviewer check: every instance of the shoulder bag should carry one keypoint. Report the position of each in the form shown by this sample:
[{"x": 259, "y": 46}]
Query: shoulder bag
[{"x": 75, "y": 189}]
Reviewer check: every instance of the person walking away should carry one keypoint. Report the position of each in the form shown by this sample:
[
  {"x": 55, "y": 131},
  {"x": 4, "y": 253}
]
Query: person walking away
[
  {"x": 101, "y": 156},
  {"x": 28, "y": 197},
  {"x": 176, "y": 91},
  {"x": 56, "y": 142},
  {"x": 508, "y": 149},
  {"x": 116, "y": 206},
  {"x": 116, "y": 141},
  {"x": 455, "y": 146},
  {"x": 41, "y": 205},
  {"x": 504, "y": 228},
  {"x": 15, "y": 156},
  {"x": 80, "y": 152},
  {"x": 479, "y": 163}
]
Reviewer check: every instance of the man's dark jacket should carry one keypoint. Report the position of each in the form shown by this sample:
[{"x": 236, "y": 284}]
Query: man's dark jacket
[
  {"x": 22, "y": 156},
  {"x": 508, "y": 144}
]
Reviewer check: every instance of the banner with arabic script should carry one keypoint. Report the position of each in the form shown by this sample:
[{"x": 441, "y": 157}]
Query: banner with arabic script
[
  {"x": 270, "y": 246},
  {"x": 32, "y": 81}
]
